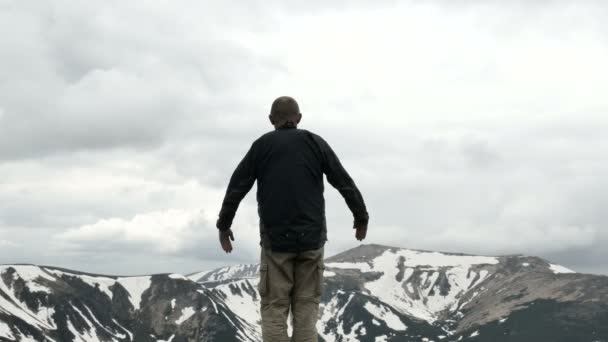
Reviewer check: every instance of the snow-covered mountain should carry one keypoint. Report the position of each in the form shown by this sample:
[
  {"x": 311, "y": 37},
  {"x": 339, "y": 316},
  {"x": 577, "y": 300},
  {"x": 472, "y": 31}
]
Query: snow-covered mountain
[{"x": 372, "y": 293}]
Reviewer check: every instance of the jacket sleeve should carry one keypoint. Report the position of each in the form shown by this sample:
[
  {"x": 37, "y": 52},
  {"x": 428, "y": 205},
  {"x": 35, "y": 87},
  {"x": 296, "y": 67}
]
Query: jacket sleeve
[
  {"x": 241, "y": 181},
  {"x": 341, "y": 180}
]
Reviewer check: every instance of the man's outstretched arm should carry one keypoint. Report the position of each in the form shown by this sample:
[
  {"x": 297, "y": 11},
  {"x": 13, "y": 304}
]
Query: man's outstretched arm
[
  {"x": 241, "y": 181},
  {"x": 341, "y": 180}
]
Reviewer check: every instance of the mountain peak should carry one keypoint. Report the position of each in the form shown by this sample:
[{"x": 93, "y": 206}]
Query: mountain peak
[{"x": 365, "y": 252}]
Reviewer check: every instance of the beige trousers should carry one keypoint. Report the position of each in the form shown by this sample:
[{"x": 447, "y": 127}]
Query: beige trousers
[{"x": 290, "y": 281}]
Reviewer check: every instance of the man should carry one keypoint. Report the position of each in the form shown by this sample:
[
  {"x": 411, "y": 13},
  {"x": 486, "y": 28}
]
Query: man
[{"x": 289, "y": 164}]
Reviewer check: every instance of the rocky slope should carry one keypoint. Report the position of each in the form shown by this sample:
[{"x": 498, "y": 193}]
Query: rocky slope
[{"x": 372, "y": 293}]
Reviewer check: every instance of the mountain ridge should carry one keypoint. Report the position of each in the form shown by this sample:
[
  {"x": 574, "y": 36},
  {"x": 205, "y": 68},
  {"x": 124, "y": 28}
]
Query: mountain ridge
[
  {"x": 364, "y": 245},
  {"x": 372, "y": 293}
]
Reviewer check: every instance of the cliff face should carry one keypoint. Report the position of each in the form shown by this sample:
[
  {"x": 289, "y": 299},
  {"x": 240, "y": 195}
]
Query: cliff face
[{"x": 372, "y": 293}]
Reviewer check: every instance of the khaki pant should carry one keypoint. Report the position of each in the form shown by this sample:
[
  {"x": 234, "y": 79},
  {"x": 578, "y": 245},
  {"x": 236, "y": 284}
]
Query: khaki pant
[{"x": 290, "y": 281}]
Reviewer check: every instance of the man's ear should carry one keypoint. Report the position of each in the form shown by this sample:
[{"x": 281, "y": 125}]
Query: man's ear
[
  {"x": 299, "y": 118},
  {"x": 271, "y": 118}
]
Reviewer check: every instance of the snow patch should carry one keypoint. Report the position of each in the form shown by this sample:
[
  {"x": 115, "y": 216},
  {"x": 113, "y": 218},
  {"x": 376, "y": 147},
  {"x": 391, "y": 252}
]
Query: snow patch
[
  {"x": 169, "y": 340},
  {"x": 123, "y": 328},
  {"x": 245, "y": 306},
  {"x": 30, "y": 275},
  {"x": 329, "y": 274},
  {"x": 177, "y": 276},
  {"x": 187, "y": 312},
  {"x": 421, "y": 258},
  {"x": 420, "y": 295},
  {"x": 226, "y": 273},
  {"x": 198, "y": 275},
  {"x": 104, "y": 283},
  {"x": 85, "y": 336},
  {"x": 384, "y": 314},
  {"x": 5, "y": 331},
  {"x": 135, "y": 286},
  {"x": 560, "y": 269},
  {"x": 15, "y": 307},
  {"x": 120, "y": 336}
]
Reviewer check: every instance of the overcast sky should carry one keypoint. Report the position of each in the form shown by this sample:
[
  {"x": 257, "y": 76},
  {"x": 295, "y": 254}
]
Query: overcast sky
[{"x": 469, "y": 126}]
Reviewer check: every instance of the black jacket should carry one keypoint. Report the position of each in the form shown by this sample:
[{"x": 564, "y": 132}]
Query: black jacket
[{"x": 289, "y": 164}]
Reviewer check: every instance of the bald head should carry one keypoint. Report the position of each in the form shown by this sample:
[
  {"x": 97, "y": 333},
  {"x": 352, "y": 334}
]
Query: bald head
[{"x": 284, "y": 109}]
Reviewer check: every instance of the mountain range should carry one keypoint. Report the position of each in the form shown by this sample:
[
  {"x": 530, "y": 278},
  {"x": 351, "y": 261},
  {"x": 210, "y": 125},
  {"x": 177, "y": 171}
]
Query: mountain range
[{"x": 371, "y": 293}]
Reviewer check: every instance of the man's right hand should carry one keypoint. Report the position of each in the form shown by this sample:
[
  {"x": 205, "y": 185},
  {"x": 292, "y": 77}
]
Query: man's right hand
[
  {"x": 360, "y": 233},
  {"x": 225, "y": 237}
]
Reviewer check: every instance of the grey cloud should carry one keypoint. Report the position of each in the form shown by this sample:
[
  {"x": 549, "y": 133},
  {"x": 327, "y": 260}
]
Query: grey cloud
[
  {"x": 86, "y": 78},
  {"x": 108, "y": 111}
]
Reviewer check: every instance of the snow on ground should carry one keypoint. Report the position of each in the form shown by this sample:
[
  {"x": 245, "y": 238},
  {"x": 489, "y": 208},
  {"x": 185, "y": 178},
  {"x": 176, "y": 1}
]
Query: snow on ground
[
  {"x": 560, "y": 269},
  {"x": 187, "y": 312},
  {"x": 386, "y": 315},
  {"x": 354, "y": 334},
  {"x": 244, "y": 306},
  {"x": 460, "y": 305},
  {"x": 402, "y": 293},
  {"x": 177, "y": 276},
  {"x": 198, "y": 275},
  {"x": 169, "y": 340},
  {"x": 13, "y": 306},
  {"x": 330, "y": 311},
  {"x": 91, "y": 333},
  {"x": 229, "y": 272},
  {"x": 362, "y": 266},
  {"x": 30, "y": 274},
  {"x": 23, "y": 337},
  {"x": 5, "y": 331},
  {"x": 43, "y": 317},
  {"x": 120, "y": 336},
  {"x": 103, "y": 282},
  {"x": 123, "y": 328},
  {"x": 135, "y": 286},
  {"x": 85, "y": 336},
  {"x": 340, "y": 327},
  {"x": 210, "y": 299},
  {"x": 419, "y": 258}
]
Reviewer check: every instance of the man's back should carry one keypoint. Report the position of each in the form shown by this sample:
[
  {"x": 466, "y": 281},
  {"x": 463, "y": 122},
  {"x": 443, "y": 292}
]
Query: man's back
[
  {"x": 290, "y": 190},
  {"x": 288, "y": 164}
]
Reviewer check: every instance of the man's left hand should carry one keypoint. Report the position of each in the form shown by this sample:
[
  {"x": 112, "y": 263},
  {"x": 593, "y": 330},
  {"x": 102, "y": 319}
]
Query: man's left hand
[
  {"x": 361, "y": 232},
  {"x": 225, "y": 237}
]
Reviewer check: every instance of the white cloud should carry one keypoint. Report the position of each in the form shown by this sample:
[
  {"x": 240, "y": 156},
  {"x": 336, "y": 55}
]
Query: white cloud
[
  {"x": 158, "y": 234},
  {"x": 165, "y": 232},
  {"x": 8, "y": 243}
]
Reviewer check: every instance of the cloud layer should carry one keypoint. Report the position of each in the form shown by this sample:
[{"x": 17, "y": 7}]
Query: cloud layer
[{"x": 469, "y": 126}]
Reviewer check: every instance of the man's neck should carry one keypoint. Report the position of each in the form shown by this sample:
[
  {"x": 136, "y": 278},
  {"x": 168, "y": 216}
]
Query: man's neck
[{"x": 287, "y": 124}]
